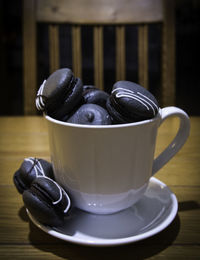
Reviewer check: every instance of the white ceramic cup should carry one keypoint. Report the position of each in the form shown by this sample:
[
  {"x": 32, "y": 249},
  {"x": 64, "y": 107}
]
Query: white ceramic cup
[{"x": 107, "y": 168}]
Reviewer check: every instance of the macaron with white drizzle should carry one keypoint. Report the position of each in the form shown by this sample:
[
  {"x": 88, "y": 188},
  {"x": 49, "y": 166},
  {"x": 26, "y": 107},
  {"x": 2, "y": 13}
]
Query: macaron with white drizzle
[
  {"x": 130, "y": 102},
  {"x": 30, "y": 169},
  {"x": 47, "y": 201},
  {"x": 59, "y": 94}
]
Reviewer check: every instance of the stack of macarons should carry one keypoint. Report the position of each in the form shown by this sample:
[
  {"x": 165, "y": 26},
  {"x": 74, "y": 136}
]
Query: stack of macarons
[
  {"x": 64, "y": 97},
  {"x": 46, "y": 200}
]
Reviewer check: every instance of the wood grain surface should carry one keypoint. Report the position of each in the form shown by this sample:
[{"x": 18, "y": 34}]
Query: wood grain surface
[
  {"x": 21, "y": 137},
  {"x": 104, "y": 11}
]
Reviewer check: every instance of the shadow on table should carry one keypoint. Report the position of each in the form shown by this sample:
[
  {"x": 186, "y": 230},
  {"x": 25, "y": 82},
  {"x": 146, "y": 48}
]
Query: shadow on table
[{"x": 188, "y": 205}]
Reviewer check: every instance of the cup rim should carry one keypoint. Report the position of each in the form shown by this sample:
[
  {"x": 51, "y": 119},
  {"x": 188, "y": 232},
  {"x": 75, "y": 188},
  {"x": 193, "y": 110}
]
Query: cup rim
[{"x": 143, "y": 122}]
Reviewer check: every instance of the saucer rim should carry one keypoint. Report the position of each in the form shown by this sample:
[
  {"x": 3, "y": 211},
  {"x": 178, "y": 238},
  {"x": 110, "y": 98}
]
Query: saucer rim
[{"x": 99, "y": 242}]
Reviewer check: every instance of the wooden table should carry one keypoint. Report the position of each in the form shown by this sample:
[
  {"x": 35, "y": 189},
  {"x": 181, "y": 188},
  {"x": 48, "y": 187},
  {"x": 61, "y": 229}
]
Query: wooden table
[{"x": 22, "y": 137}]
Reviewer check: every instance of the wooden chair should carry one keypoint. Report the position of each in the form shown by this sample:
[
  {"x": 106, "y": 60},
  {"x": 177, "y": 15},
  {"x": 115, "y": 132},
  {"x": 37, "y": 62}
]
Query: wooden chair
[{"x": 99, "y": 13}]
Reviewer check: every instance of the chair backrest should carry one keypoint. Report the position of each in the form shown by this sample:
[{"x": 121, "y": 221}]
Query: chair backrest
[{"x": 99, "y": 13}]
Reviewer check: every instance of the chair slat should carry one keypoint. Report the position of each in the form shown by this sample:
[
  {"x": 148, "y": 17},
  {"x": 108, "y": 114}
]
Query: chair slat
[
  {"x": 120, "y": 53},
  {"x": 143, "y": 55},
  {"x": 29, "y": 57},
  {"x": 76, "y": 51},
  {"x": 168, "y": 55},
  {"x": 98, "y": 57},
  {"x": 54, "y": 47}
]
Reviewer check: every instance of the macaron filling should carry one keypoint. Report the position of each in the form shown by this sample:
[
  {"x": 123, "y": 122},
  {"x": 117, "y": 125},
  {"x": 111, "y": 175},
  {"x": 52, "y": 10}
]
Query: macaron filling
[
  {"x": 41, "y": 193},
  {"x": 20, "y": 185}
]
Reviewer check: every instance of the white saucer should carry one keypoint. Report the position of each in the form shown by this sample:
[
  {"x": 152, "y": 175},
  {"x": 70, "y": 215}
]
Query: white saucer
[{"x": 150, "y": 215}]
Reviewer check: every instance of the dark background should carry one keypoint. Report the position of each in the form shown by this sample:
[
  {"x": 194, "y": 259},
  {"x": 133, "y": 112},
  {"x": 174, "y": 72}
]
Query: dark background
[{"x": 187, "y": 56}]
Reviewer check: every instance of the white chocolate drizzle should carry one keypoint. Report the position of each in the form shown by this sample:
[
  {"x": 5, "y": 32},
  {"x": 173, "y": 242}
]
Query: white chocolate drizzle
[
  {"x": 37, "y": 167},
  {"x": 40, "y": 98},
  {"x": 142, "y": 99},
  {"x": 61, "y": 193}
]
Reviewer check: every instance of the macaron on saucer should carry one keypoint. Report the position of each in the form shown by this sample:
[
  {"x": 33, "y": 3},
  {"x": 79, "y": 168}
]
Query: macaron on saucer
[
  {"x": 47, "y": 201},
  {"x": 30, "y": 169}
]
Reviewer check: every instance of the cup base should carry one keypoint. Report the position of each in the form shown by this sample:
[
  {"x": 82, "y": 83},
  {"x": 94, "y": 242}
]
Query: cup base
[{"x": 106, "y": 203}]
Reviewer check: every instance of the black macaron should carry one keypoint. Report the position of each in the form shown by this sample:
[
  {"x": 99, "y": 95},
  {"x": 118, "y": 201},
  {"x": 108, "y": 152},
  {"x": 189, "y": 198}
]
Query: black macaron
[
  {"x": 87, "y": 87},
  {"x": 30, "y": 169},
  {"x": 47, "y": 201},
  {"x": 90, "y": 114},
  {"x": 59, "y": 94},
  {"x": 95, "y": 96},
  {"x": 130, "y": 102}
]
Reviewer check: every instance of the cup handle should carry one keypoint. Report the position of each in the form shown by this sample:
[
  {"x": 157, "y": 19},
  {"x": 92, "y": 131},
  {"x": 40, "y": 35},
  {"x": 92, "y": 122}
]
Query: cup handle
[{"x": 179, "y": 139}]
